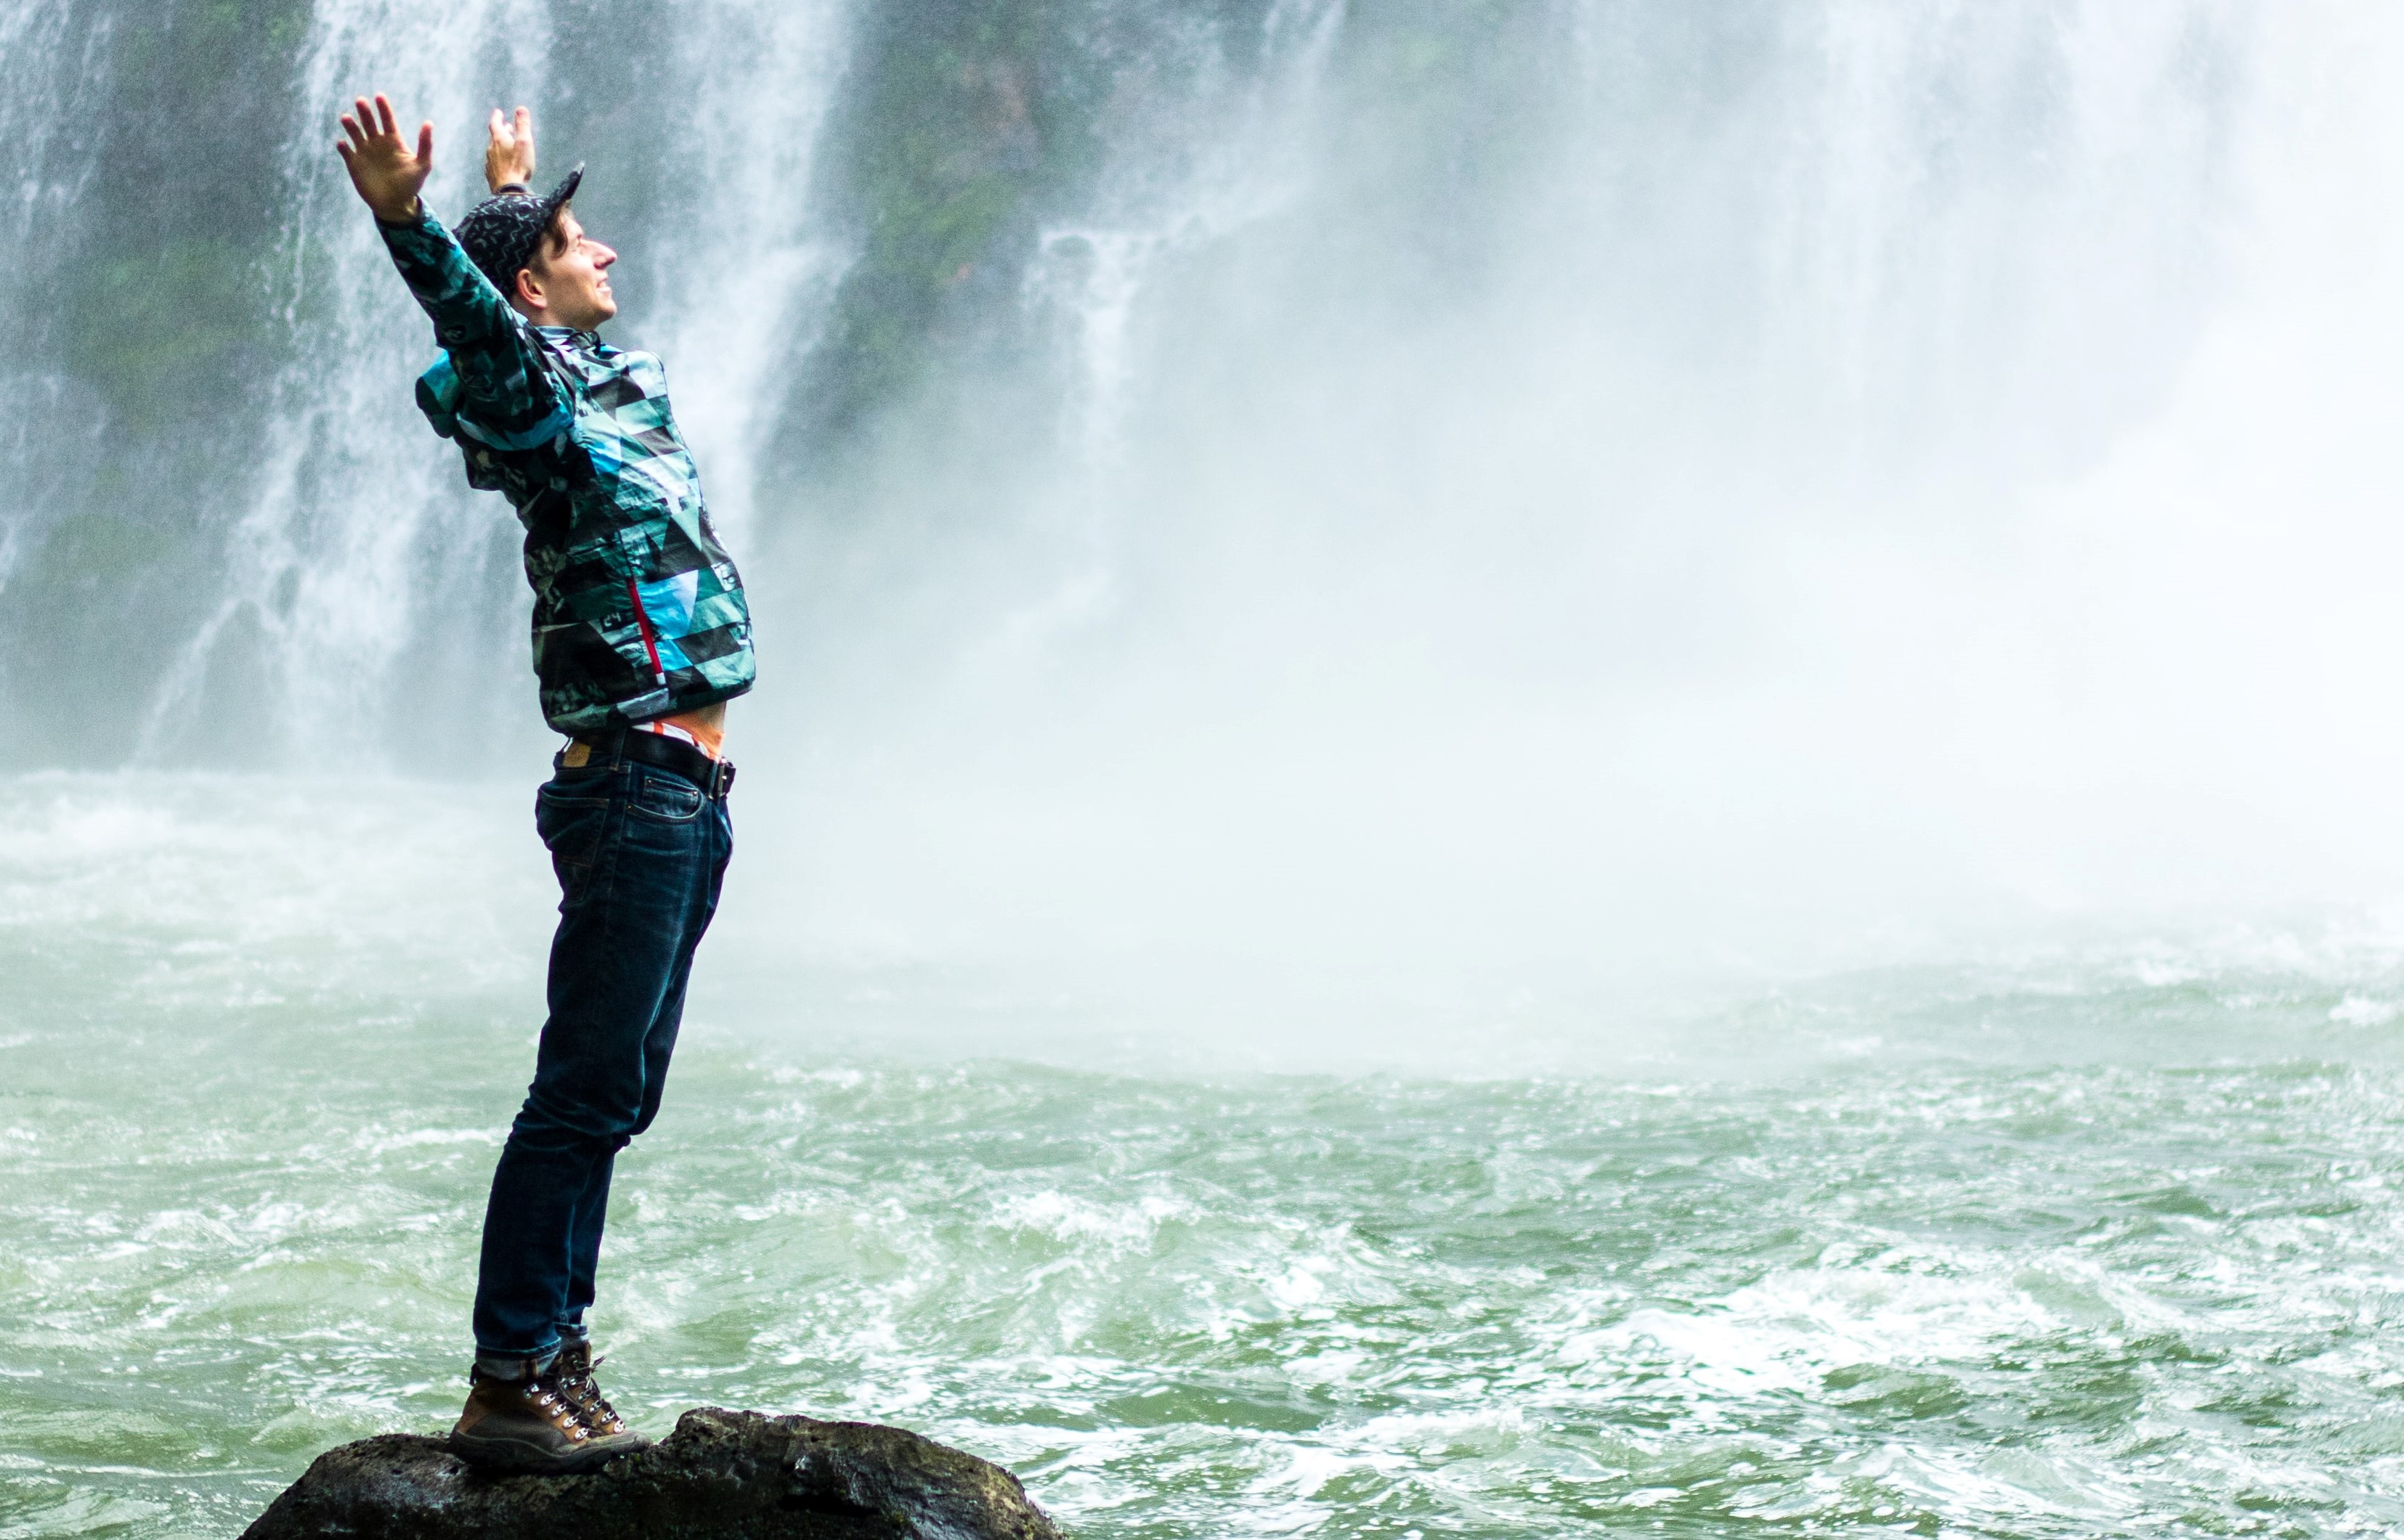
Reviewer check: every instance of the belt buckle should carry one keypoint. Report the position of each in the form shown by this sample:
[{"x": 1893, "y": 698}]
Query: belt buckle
[{"x": 722, "y": 780}]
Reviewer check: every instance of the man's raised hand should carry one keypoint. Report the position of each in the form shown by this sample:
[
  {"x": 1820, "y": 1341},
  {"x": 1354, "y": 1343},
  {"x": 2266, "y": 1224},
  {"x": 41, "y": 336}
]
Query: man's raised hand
[
  {"x": 508, "y": 158},
  {"x": 387, "y": 176}
]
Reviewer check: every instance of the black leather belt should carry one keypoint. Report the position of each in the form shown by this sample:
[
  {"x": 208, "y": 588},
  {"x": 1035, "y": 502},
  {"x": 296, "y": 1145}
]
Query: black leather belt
[{"x": 715, "y": 777}]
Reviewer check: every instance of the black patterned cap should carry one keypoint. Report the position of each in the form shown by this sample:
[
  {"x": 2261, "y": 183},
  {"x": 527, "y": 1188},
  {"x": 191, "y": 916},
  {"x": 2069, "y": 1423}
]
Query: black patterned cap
[{"x": 501, "y": 234}]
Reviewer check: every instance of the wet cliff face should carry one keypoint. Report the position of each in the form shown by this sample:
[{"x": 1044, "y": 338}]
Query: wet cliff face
[{"x": 998, "y": 323}]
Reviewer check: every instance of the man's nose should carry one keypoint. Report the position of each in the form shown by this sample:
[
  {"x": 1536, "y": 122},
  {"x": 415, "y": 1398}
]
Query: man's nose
[{"x": 602, "y": 255}]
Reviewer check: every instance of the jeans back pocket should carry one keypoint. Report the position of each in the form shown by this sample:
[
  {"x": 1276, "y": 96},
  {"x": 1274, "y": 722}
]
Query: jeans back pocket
[{"x": 571, "y": 812}]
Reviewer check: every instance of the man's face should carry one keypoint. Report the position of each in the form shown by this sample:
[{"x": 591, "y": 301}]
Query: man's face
[{"x": 571, "y": 287}]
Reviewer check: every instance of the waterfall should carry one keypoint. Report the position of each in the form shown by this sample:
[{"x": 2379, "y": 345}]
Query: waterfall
[
  {"x": 1882, "y": 241},
  {"x": 1519, "y": 473}
]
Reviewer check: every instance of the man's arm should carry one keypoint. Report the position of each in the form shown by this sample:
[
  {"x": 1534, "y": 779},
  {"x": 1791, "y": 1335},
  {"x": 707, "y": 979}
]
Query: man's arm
[{"x": 506, "y": 398}]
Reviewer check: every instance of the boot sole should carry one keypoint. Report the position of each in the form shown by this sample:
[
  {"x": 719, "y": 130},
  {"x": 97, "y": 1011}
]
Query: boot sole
[{"x": 508, "y": 1456}]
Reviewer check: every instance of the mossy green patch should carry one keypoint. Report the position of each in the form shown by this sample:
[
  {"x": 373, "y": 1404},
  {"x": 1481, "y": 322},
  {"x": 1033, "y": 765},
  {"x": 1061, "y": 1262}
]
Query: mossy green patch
[
  {"x": 158, "y": 332},
  {"x": 964, "y": 130}
]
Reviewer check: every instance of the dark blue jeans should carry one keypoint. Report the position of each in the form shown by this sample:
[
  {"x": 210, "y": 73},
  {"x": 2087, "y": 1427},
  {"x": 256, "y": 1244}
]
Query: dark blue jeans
[{"x": 639, "y": 852}]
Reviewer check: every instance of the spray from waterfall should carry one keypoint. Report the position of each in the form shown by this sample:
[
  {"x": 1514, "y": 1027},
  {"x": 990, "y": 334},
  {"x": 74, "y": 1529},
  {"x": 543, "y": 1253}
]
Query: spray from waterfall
[{"x": 1503, "y": 539}]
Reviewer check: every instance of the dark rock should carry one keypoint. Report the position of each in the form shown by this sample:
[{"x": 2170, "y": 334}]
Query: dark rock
[{"x": 719, "y": 1476}]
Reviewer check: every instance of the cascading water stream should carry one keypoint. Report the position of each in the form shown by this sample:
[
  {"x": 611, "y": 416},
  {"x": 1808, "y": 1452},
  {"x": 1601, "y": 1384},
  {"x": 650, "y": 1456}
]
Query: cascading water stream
[
  {"x": 1242, "y": 160},
  {"x": 752, "y": 266},
  {"x": 51, "y": 72},
  {"x": 327, "y": 566},
  {"x": 1190, "y": 172}
]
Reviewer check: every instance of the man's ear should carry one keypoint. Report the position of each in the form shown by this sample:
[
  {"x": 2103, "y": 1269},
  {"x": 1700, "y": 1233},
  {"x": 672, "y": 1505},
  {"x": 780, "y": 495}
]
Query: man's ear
[{"x": 530, "y": 288}]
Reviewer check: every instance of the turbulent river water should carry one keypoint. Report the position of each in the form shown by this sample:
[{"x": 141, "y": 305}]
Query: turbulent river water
[{"x": 2093, "y": 1238}]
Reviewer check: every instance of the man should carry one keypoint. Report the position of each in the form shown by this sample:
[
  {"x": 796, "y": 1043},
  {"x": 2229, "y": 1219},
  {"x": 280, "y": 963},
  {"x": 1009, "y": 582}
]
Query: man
[{"x": 640, "y": 636}]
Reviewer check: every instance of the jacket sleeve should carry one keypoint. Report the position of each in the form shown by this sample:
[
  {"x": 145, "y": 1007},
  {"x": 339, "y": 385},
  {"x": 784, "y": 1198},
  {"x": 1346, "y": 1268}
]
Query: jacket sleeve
[{"x": 500, "y": 393}]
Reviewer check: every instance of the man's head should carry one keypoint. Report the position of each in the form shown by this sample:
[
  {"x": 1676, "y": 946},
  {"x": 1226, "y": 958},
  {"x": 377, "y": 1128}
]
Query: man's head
[{"x": 533, "y": 251}]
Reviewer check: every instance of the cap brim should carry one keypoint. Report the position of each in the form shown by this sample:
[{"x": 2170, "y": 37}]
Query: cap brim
[{"x": 566, "y": 190}]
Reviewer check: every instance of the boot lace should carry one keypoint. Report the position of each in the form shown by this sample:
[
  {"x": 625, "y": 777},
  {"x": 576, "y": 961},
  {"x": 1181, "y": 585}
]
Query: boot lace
[{"x": 578, "y": 1387}]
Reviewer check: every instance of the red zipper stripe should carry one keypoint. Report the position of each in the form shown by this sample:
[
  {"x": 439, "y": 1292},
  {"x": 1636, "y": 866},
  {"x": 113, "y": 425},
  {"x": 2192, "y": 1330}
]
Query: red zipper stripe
[{"x": 643, "y": 624}]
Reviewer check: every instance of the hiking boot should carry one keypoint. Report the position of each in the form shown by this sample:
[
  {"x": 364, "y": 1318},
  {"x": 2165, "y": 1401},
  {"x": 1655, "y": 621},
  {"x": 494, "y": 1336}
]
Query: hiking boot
[
  {"x": 525, "y": 1426},
  {"x": 570, "y": 1379}
]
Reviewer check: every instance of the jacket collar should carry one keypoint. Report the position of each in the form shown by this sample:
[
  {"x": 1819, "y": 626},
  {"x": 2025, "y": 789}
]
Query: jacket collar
[{"x": 569, "y": 336}]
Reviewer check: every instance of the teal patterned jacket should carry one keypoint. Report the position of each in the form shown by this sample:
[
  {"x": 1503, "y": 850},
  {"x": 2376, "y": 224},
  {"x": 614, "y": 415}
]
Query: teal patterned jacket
[{"x": 637, "y": 609}]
